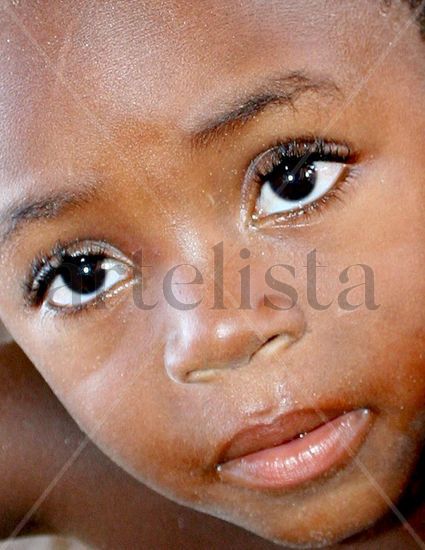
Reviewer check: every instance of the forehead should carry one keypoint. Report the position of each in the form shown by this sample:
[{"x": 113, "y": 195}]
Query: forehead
[
  {"x": 83, "y": 68},
  {"x": 136, "y": 53}
]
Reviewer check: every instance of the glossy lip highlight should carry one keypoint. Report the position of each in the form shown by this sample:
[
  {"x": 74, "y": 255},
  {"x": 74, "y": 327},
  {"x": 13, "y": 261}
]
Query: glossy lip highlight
[{"x": 294, "y": 449}]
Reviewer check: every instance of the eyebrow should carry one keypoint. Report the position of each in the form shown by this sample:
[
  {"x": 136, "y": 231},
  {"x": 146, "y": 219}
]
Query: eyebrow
[
  {"x": 51, "y": 206},
  {"x": 282, "y": 90},
  {"x": 278, "y": 90}
]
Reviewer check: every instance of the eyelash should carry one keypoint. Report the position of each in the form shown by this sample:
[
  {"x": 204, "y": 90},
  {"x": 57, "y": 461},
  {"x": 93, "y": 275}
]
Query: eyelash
[
  {"x": 306, "y": 149},
  {"x": 46, "y": 267}
]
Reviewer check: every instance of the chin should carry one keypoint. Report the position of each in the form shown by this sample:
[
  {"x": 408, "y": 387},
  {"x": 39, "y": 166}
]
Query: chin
[{"x": 338, "y": 505}]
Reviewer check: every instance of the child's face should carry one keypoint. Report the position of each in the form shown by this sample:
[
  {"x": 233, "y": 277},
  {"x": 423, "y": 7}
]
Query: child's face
[{"x": 136, "y": 121}]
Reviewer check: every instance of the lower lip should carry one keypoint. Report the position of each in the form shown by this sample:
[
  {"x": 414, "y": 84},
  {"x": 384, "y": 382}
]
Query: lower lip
[{"x": 302, "y": 459}]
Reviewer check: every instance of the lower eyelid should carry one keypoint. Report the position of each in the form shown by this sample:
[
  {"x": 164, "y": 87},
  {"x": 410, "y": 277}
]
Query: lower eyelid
[
  {"x": 93, "y": 305},
  {"x": 305, "y": 217},
  {"x": 51, "y": 263},
  {"x": 272, "y": 201},
  {"x": 121, "y": 271},
  {"x": 265, "y": 162}
]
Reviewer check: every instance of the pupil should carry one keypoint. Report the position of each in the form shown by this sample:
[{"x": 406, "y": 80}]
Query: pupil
[
  {"x": 83, "y": 274},
  {"x": 291, "y": 180}
]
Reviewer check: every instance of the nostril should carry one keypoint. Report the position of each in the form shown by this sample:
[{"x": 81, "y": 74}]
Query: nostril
[
  {"x": 211, "y": 372},
  {"x": 271, "y": 339},
  {"x": 197, "y": 376},
  {"x": 276, "y": 343},
  {"x": 200, "y": 350},
  {"x": 273, "y": 345}
]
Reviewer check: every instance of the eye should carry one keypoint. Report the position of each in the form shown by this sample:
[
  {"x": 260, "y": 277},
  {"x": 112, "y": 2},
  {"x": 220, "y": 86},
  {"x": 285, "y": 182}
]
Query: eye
[
  {"x": 294, "y": 185},
  {"x": 291, "y": 179},
  {"x": 82, "y": 279},
  {"x": 76, "y": 276}
]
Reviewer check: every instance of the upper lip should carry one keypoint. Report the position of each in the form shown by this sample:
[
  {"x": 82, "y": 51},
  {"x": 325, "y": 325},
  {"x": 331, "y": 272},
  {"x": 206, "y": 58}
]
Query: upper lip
[{"x": 280, "y": 430}]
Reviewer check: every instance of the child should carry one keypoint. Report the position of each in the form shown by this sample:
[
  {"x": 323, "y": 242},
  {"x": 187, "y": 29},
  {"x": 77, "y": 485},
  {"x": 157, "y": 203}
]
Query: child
[
  {"x": 212, "y": 246},
  {"x": 55, "y": 480}
]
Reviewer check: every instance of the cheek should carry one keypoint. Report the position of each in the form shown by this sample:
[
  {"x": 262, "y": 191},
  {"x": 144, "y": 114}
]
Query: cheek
[
  {"x": 397, "y": 328},
  {"x": 110, "y": 376},
  {"x": 376, "y": 355}
]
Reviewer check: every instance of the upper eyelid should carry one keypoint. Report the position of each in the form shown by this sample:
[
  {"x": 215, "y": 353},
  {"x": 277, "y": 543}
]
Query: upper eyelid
[
  {"x": 273, "y": 89},
  {"x": 61, "y": 249},
  {"x": 348, "y": 154},
  {"x": 35, "y": 210},
  {"x": 341, "y": 152}
]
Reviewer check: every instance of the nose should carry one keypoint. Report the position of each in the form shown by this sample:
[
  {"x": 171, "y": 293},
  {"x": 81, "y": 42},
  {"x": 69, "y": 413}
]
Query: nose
[{"x": 205, "y": 342}]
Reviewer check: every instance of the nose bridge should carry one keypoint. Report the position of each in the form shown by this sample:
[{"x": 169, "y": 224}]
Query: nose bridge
[
  {"x": 205, "y": 340},
  {"x": 235, "y": 317}
]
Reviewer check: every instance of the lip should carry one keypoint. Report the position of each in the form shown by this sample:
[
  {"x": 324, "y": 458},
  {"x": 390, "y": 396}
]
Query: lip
[{"x": 294, "y": 449}]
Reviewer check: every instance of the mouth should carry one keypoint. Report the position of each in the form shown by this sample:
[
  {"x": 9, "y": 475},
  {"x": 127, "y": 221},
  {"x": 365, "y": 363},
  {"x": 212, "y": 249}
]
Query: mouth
[{"x": 294, "y": 449}]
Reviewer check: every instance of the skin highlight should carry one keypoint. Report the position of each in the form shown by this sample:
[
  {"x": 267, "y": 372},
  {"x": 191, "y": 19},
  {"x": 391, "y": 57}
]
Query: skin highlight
[
  {"x": 94, "y": 494},
  {"x": 92, "y": 499},
  {"x": 130, "y": 120}
]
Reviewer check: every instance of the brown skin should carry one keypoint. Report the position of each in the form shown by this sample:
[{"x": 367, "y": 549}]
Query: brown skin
[
  {"x": 113, "y": 93},
  {"x": 95, "y": 500},
  {"x": 92, "y": 499}
]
